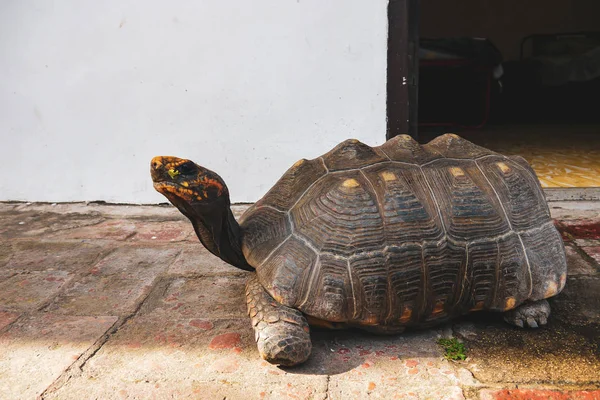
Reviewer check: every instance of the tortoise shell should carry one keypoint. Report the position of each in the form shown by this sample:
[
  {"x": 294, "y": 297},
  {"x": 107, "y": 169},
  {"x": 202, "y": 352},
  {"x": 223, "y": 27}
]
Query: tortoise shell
[{"x": 404, "y": 234}]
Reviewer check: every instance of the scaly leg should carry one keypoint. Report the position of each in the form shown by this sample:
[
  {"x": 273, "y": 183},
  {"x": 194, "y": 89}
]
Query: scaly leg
[{"x": 281, "y": 333}]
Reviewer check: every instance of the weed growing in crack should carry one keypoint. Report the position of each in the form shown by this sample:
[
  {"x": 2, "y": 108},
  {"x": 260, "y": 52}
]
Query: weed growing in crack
[{"x": 454, "y": 350}]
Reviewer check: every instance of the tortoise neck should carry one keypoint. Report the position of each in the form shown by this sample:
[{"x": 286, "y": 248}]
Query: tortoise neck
[{"x": 220, "y": 233}]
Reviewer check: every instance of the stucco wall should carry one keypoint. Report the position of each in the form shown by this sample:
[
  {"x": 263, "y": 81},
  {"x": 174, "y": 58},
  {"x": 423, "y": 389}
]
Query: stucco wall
[{"x": 91, "y": 90}]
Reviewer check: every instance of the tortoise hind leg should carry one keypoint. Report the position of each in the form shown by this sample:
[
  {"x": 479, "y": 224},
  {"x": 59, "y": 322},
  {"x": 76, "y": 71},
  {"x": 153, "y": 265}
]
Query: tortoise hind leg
[
  {"x": 532, "y": 315},
  {"x": 281, "y": 332}
]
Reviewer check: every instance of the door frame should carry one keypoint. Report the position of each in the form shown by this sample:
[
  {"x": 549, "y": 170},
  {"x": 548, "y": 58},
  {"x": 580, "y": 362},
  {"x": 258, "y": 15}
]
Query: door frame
[{"x": 402, "y": 68}]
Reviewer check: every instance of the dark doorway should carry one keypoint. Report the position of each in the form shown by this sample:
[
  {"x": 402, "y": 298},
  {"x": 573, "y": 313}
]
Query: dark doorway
[{"x": 520, "y": 78}]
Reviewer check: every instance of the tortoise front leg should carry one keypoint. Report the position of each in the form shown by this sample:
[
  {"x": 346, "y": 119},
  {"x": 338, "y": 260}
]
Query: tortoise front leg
[{"x": 281, "y": 332}]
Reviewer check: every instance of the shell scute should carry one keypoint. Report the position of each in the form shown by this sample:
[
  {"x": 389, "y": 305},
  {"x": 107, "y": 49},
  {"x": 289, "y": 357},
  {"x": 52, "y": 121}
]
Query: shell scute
[
  {"x": 403, "y": 148},
  {"x": 467, "y": 202},
  {"x": 453, "y": 146},
  {"x": 352, "y": 154},
  {"x": 519, "y": 189},
  {"x": 333, "y": 210},
  {"x": 264, "y": 229},
  {"x": 292, "y": 185},
  {"x": 285, "y": 270},
  {"x": 405, "y": 203}
]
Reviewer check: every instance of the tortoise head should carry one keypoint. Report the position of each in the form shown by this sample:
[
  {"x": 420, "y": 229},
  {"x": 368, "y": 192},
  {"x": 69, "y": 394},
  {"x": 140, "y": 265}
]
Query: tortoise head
[
  {"x": 201, "y": 195},
  {"x": 186, "y": 184}
]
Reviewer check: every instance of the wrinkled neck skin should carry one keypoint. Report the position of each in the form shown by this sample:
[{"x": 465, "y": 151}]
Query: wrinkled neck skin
[{"x": 218, "y": 231}]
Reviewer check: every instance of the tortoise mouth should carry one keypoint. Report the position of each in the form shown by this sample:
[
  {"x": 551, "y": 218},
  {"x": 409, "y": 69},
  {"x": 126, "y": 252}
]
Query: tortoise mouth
[
  {"x": 184, "y": 202},
  {"x": 162, "y": 185},
  {"x": 175, "y": 193}
]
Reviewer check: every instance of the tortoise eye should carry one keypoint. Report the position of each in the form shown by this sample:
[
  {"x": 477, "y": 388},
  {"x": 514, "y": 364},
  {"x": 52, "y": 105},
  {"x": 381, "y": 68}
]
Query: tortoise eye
[{"x": 188, "y": 168}]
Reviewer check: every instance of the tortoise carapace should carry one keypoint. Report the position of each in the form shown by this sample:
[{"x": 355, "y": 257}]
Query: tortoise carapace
[{"x": 380, "y": 238}]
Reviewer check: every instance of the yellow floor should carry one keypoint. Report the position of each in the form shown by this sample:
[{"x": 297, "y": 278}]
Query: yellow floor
[{"x": 561, "y": 155}]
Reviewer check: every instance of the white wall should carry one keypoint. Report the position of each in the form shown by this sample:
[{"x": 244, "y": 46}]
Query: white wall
[{"x": 91, "y": 90}]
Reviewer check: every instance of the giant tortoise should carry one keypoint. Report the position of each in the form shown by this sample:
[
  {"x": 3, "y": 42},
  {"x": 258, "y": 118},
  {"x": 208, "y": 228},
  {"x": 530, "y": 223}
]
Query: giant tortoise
[{"x": 380, "y": 238}]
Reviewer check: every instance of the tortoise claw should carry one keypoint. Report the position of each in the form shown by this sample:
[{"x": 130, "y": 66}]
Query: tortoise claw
[
  {"x": 532, "y": 315},
  {"x": 518, "y": 322}
]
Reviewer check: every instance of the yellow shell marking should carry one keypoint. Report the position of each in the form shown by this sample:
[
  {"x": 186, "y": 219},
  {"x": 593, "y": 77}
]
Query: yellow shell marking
[
  {"x": 510, "y": 303},
  {"x": 439, "y": 308},
  {"x": 299, "y": 163},
  {"x": 406, "y": 314},
  {"x": 563, "y": 280},
  {"x": 370, "y": 320},
  {"x": 185, "y": 184},
  {"x": 478, "y": 306},
  {"x": 551, "y": 289},
  {"x": 456, "y": 171},
  {"x": 351, "y": 183},
  {"x": 388, "y": 176},
  {"x": 503, "y": 167}
]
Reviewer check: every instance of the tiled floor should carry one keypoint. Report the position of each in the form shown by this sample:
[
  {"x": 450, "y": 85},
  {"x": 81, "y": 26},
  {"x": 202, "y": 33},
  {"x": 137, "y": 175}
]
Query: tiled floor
[
  {"x": 561, "y": 155},
  {"x": 123, "y": 302}
]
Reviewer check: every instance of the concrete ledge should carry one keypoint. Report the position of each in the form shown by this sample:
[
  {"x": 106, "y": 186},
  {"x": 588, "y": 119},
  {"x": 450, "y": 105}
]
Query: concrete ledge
[{"x": 572, "y": 194}]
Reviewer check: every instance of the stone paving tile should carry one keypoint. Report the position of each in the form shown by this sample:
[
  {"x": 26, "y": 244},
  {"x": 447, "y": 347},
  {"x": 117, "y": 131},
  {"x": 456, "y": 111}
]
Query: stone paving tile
[
  {"x": 407, "y": 366},
  {"x": 43, "y": 256},
  {"x": 143, "y": 229},
  {"x": 156, "y": 349},
  {"x": 114, "y": 229},
  {"x": 179, "y": 343},
  {"x": 156, "y": 212},
  {"x": 587, "y": 242},
  {"x": 168, "y": 231},
  {"x": 582, "y": 228},
  {"x": 7, "y": 318},
  {"x": 569, "y": 210},
  {"x": 152, "y": 356},
  {"x": 115, "y": 285},
  {"x": 593, "y": 252},
  {"x": 36, "y": 350},
  {"x": 539, "y": 394},
  {"x": 6, "y": 274},
  {"x": 8, "y": 207},
  {"x": 158, "y": 358},
  {"x": 579, "y": 302},
  {"x": 195, "y": 389},
  {"x": 6, "y": 253},
  {"x": 195, "y": 259},
  {"x": 131, "y": 262},
  {"x": 204, "y": 297},
  {"x": 36, "y": 224},
  {"x": 576, "y": 264},
  {"x": 101, "y": 295},
  {"x": 559, "y": 352},
  {"x": 28, "y": 292},
  {"x": 239, "y": 209}
]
